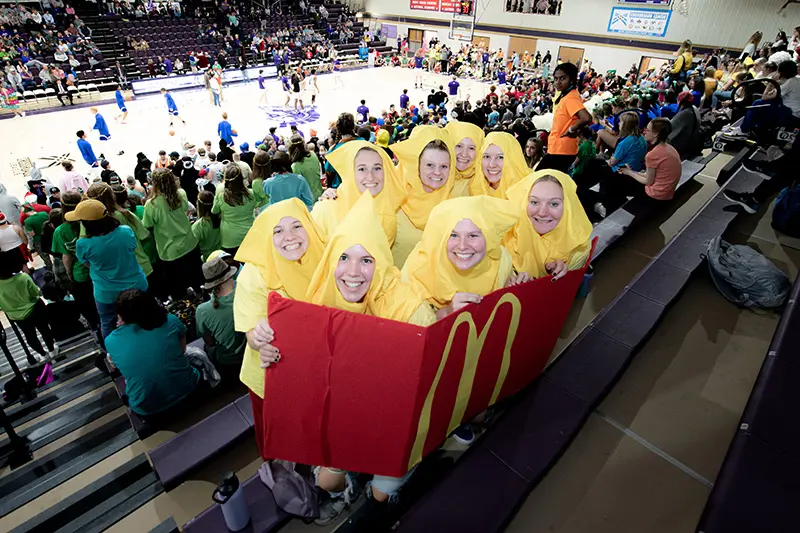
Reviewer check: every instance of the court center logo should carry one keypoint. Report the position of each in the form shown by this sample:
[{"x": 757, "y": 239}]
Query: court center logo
[{"x": 288, "y": 116}]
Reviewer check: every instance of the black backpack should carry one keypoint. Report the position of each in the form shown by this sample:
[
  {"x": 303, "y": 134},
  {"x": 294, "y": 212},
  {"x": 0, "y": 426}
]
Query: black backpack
[{"x": 786, "y": 212}]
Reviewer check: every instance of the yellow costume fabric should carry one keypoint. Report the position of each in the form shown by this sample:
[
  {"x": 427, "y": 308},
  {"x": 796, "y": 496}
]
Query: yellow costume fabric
[
  {"x": 514, "y": 166},
  {"x": 387, "y": 297},
  {"x": 266, "y": 271},
  {"x": 418, "y": 203},
  {"x": 429, "y": 269},
  {"x": 458, "y": 131},
  {"x": 569, "y": 241},
  {"x": 328, "y": 213}
]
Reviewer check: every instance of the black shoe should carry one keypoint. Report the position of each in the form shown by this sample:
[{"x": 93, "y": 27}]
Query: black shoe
[
  {"x": 763, "y": 169},
  {"x": 102, "y": 156},
  {"x": 745, "y": 200},
  {"x": 121, "y": 152}
]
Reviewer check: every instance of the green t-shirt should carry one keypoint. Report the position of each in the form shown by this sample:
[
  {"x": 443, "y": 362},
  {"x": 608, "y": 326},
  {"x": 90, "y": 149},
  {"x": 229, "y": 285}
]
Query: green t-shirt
[
  {"x": 64, "y": 240},
  {"x": 207, "y": 235},
  {"x": 18, "y": 295},
  {"x": 140, "y": 211},
  {"x": 142, "y": 235},
  {"x": 236, "y": 219},
  {"x": 218, "y": 324},
  {"x": 586, "y": 151},
  {"x": 157, "y": 373},
  {"x": 35, "y": 223},
  {"x": 172, "y": 229},
  {"x": 258, "y": 190},
  {"x": 309, "y": 168}
]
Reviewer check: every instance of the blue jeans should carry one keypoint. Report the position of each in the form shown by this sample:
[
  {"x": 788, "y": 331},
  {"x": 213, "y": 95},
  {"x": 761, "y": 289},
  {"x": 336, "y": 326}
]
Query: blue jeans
[
  {"x": 725, "y": 95},
  {"x": 216, "y": 99},
  {"x": 108, "y": 317},
  {"x": 774, "y": 115}
]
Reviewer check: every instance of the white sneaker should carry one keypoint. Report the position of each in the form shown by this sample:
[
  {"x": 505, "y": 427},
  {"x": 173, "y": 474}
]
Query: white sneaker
[
  {"x": 52, "y": 354},
  {"x": 736, "y": 133},
  {"x": 600, "y": 209}
]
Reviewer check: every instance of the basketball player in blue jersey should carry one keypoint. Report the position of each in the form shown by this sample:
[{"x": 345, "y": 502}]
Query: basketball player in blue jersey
[
  {"x": 123, "y": 109},
  {"x": 172, "y": 109},
  {"x": 101, "y": 126}
]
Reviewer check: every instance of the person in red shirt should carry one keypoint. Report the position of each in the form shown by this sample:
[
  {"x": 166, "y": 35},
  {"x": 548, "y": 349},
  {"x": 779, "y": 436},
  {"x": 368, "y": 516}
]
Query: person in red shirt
[
  {"x": 568, "y": 117},
  {"x": 492, "y": 96}
]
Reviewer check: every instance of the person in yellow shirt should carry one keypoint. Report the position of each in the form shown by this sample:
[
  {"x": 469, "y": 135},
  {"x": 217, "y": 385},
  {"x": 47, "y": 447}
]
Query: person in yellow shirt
[
  {"x": 362, "y": 167},
  {"x": 683, "y": 63},
  {"x": 427, "y": 168},
  {"x": 356, "y": 273},
  {"x": 552, "y": 234},
  {"x": 460, "y": 260},
  {"x": 468, "y": 139},
  {"x": 279, "y": 253},
  {"x": 502, "y": 164}
]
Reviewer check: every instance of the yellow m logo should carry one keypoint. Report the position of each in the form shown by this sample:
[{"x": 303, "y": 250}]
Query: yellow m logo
[{"x": 471, "y": 357}]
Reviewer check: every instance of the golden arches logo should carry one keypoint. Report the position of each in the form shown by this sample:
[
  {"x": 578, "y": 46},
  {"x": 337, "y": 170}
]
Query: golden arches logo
[{"x": 474, "y": 348}]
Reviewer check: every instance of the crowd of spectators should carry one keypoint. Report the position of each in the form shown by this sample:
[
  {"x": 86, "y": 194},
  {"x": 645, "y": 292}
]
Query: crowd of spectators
[{"x": 44, "y": 49}]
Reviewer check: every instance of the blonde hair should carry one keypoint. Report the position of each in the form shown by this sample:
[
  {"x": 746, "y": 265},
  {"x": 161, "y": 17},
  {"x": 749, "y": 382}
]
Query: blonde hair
[{"x": 628, "y": 124}]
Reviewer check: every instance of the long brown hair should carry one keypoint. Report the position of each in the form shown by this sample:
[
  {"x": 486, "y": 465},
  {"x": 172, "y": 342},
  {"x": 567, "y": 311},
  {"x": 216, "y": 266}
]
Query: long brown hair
[
  {"x": 164, "y": 184},
  {"x": 235, "y": 190},
  {"x": 205, "y": 201},
  {"x": 69, "y": 201},
  {"x": 103, "y": 193},
  {"x": 261, "y": 166},
  {"x": 297, "y": 149}
]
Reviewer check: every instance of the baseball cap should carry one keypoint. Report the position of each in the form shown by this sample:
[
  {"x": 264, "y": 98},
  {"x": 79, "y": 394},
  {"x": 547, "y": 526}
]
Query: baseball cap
[{"x": 87, "y": 209}]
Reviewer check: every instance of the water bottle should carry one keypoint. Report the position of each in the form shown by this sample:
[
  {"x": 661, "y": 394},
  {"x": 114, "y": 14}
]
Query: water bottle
[{"x": 230, "y": 496}]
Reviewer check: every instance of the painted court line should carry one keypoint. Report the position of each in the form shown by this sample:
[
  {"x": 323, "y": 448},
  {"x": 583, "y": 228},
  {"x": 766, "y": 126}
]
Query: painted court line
[{"x": 656, "y": 450}]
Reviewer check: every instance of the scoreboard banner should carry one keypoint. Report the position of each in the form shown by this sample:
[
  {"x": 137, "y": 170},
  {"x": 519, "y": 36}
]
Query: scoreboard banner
[
  {"x": 425, "y": 5},
  {"x": 642, "y": 22},
  {"x": 463, "y": 7}
]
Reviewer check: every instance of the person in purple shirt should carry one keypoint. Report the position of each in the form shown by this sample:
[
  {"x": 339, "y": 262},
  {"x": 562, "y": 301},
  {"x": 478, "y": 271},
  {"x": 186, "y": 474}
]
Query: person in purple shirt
[
  {"x": 362, "y": 112},
  {"x": 485, "y": 62},
  {"x": 286, "y": 88},
  {"x": 501, "y": 77},
  {"x": 404, "y": 99},
  {"x": 418, "y": 59},
  {"x": 262, "y": 86},
  {"x": 295, "y": 131},
  {"x": 453, "y": 85}
]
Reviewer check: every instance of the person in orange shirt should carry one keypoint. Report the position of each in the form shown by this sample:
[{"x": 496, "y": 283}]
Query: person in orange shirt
[{"x": 568, "y": 117}]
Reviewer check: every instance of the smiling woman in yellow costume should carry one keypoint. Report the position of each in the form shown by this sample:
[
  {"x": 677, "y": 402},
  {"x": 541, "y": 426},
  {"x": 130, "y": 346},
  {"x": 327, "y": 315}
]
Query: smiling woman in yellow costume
[
  {"x": 362, "y": 167},
  {"x": 501, "y": 164},
  {"x": 460, "y": 258},
  {"x": 280, "y": 253},
  {"x": 468, "y": 139},
  {"x": 427, "y": 168},
  {"x": 356, "y": 273},
  {"x": 552, "y": 233}
]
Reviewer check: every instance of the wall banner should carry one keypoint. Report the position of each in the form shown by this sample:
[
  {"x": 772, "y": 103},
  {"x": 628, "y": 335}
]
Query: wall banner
[
  {"x": 425, "y": 5},
  {"x": 642, "y": 22}
]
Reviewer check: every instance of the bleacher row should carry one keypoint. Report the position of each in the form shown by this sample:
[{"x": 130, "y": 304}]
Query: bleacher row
[{"x": 499, "y": 470}]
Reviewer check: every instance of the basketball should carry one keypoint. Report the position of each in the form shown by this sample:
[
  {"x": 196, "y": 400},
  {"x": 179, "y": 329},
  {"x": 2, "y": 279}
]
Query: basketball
[{"x": 172, "y": 132}]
